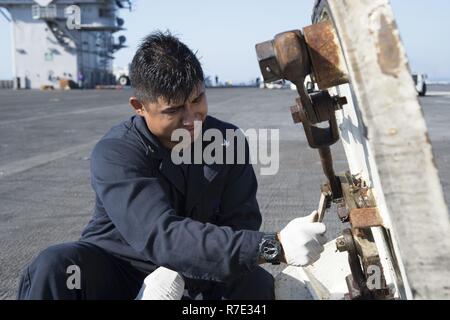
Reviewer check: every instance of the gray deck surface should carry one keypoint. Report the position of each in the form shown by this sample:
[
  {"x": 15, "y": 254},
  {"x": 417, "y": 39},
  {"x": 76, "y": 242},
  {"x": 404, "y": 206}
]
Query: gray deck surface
[{"x": 46, "y": 139}]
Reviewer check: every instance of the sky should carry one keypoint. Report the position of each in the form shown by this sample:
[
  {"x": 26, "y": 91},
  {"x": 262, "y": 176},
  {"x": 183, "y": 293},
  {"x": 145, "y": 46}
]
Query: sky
[{"x": 224, "y": 33}]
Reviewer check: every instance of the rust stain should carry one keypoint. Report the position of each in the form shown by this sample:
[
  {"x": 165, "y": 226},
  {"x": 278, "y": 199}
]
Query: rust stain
[
  {"x": 326, "y": 55},
  {"x": 365, "y": 218},
  {"x": 393, "y": 131},
  {"x": 389, "y": 52}
]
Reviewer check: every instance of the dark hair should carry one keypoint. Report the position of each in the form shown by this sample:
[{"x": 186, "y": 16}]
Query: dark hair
[{"x": 164, "y": 67}]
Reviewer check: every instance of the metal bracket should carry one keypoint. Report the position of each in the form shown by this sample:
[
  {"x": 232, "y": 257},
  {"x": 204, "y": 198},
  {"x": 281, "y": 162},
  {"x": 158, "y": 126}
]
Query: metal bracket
[
  {"x": 293, "y": 56},
  {"x": 358, "y": 208}
]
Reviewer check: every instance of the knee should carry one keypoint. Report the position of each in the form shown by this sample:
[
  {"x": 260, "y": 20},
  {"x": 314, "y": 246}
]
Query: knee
[
  {"x": 256, "y": 285},
  {"x": 54, "y": 259},
  {"x": 45, "y": 277},
  {"x": 263, "y": 282}
]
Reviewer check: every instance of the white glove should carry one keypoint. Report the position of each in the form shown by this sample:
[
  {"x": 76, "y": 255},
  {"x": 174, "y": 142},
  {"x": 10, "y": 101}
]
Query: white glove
[
  {"x": 303, "y": 240},
  {"x": 162, "y": 284}
]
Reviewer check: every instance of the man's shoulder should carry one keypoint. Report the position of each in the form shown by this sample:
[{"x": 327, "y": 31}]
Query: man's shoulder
[
  {"x": 120, "y": 131},
  {"x": 120, "y": 140},
  {"x": 214, "y": 123}
]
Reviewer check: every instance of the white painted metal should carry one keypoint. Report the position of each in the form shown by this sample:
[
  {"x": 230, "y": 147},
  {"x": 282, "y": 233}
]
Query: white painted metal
[
  {"x": 324, "y": 280},
  {"x": 397, "y": 152}
]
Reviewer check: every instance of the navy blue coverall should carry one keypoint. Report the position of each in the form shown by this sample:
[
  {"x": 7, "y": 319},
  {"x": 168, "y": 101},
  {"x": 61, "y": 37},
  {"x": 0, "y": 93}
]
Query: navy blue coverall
[{"x": 199, "y": 220}]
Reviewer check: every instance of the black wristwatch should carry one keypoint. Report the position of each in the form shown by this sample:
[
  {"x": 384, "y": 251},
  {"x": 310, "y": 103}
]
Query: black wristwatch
[{"x": 270, "y": 248}]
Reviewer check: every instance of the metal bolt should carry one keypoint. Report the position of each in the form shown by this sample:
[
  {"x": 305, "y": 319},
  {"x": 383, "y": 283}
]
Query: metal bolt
[
  {"x": 340, "y": 244},
  {"x": 268, "y": 62},
  {"x": 342, "y": 101},
  {"x": 339, "y": 102},
  {"x": 343, "y": 212}
]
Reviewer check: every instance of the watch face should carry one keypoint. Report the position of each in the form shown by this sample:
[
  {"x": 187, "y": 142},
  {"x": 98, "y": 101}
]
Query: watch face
[{"x": 270, "y": 249}]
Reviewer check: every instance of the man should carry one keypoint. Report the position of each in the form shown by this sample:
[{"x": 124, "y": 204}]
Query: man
[{"x": 199, "y": 220}]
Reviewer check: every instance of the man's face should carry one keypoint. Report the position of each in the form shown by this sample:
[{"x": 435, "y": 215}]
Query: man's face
[{"x": 163, "y": 118}]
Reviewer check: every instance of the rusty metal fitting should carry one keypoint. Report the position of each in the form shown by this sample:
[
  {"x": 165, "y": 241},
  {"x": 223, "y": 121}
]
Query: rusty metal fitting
[
  {"x": 340, "y": 244},
  {"x": 293, "y": 55},
  {"x": 339, "y": 102},
  {"x": 343, "y": 212},
  {"x": 365, "y": 218},
  {"x": 327, "y": 60},
  {"x": 268, "y": 62},
  {"x": 285, "y": 57}
]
